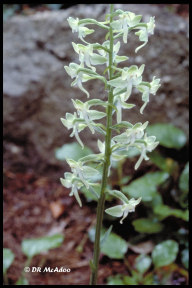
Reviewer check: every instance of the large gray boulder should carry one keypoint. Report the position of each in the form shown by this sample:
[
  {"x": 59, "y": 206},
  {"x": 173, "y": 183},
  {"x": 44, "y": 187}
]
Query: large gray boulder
[{"x": 37, "y": 90}]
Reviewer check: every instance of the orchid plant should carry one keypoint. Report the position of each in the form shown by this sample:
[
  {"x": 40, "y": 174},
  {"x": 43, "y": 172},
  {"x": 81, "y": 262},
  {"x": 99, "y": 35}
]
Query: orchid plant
[{"x": 119, "y": 84}]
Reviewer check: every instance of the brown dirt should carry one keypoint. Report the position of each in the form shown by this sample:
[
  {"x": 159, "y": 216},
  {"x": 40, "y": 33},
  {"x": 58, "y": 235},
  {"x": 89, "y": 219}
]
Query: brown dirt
[{"x": 27, "y": 214}]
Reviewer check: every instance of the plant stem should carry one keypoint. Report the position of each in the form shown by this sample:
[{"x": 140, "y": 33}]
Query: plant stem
[{"x": 101, "y": 201}]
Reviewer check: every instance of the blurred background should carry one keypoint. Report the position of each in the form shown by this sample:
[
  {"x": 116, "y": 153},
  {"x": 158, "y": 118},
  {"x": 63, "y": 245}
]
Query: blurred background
[{"x": 37, "y": 93}]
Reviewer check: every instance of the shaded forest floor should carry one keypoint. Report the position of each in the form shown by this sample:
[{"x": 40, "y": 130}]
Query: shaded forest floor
[
  {"x": 31, "y": 209},
  {"x": 37, "y": 206}
]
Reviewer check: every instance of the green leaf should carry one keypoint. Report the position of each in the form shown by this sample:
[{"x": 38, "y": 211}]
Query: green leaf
[
  {"x": 8, "y": 258},
  {"x": 165, "y": 253},
  {"x": 22, "y": 281},
  {"x": 146, "y": 225},
  {"x": 32, "y": 247},
  {"x": 157, "y": 200},
  {"x": 114, "y": 247},
  {"x": 119, "y": 279},
  {"x": 125, "y": 179},
  {"x": 115, "y": 280},
  {"x": 184, "y": 179},
  {"x": 149, "y": 279},
  {"x": 166, "y": 164},
  {"x": 106, "y": 235},
  {"x": 168, "y": 135},
  {"x": 146, "y": 186},
  {"x": 130, "y": 280},
  {"x": 185, "y": 258},
  {"x": 142, "y": 263},
  {"x": 164, "y": 211},
  {"x": 73, "y": 151},
  {"x": 184, "y": 187}
]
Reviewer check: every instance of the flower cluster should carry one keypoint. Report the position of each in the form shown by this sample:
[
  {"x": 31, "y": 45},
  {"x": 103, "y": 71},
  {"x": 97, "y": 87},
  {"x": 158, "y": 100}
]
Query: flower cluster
[
  {"x": 121, "y": 84},
  {"x": 81, "y": 176},
  {"x": 85, "y": 119},
  {"x": 128, "y": 21}
]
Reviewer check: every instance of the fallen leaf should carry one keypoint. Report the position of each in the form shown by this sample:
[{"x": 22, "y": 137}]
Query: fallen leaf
[
  {"x": 142, "y": 248},
  {"x": 57, "y": 208}
]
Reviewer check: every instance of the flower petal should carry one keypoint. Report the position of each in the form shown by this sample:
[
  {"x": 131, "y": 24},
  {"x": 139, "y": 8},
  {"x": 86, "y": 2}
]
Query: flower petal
[{"x": 115, "y": 211}]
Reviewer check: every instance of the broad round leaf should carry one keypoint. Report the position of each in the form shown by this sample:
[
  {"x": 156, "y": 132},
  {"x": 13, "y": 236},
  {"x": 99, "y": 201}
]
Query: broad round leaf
[
  {"x": 165, "y": 253},
  {"x": 168, "y": 135},
  {"x": 73, "y": 151},
  {"x": 8, "y": 258},
  {"x": 146, "y": 186},
  {"x": 164, "y": 211},
  {"x": 142, "y": 263},
  {"x": 32, "y": 247},
  {"x": 166, "y": 164},
  {"x": 184, "y": 179},
  {"x": 185, "y": 258},
  {"x": 149, "y": 226},
  {"x": 114, "y": 246},
  {"x": 115, "y": 280}
]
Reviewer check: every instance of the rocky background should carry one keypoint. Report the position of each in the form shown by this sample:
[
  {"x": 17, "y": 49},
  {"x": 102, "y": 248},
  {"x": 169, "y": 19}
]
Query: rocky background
[{"x": 37, "y": 91}]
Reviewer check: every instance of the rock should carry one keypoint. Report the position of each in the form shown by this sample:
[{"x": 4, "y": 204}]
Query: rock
[{"x": 37, "y": 91}]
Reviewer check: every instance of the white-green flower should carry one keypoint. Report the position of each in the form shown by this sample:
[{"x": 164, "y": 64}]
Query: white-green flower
[
  {"x": 144, "y": 31},
  {"x": 154, "y": 85},
  {"x": 87, "y": 56},
  {"x": 126, "y": 20},
  {"x": 114, "y": 155},
  {"x": 116, "y": 58},
  {"x": 73, "y": 122},
  {"x": 147, "y": 89},
  {"x": 73, "y": 182},
  {"x": 88, "y": 115},
  {"x": 148, "y": 146},
  {"x": 72, "y": 70},
  {"x": 151, "y": 25},
  {"x": 130, "y": 77},
  {"x": 120, "y": 103},
  {"x": 82, "y": 31},
  {"x": 83, "y": 172},
  {"x": 132, "y": 134},
  {"x": 124, "y": 209}
]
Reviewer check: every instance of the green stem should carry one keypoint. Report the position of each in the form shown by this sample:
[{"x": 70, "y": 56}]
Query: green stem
[
  {"x": 101, "y": 201},
  {"x": 27, "y": 264}
]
